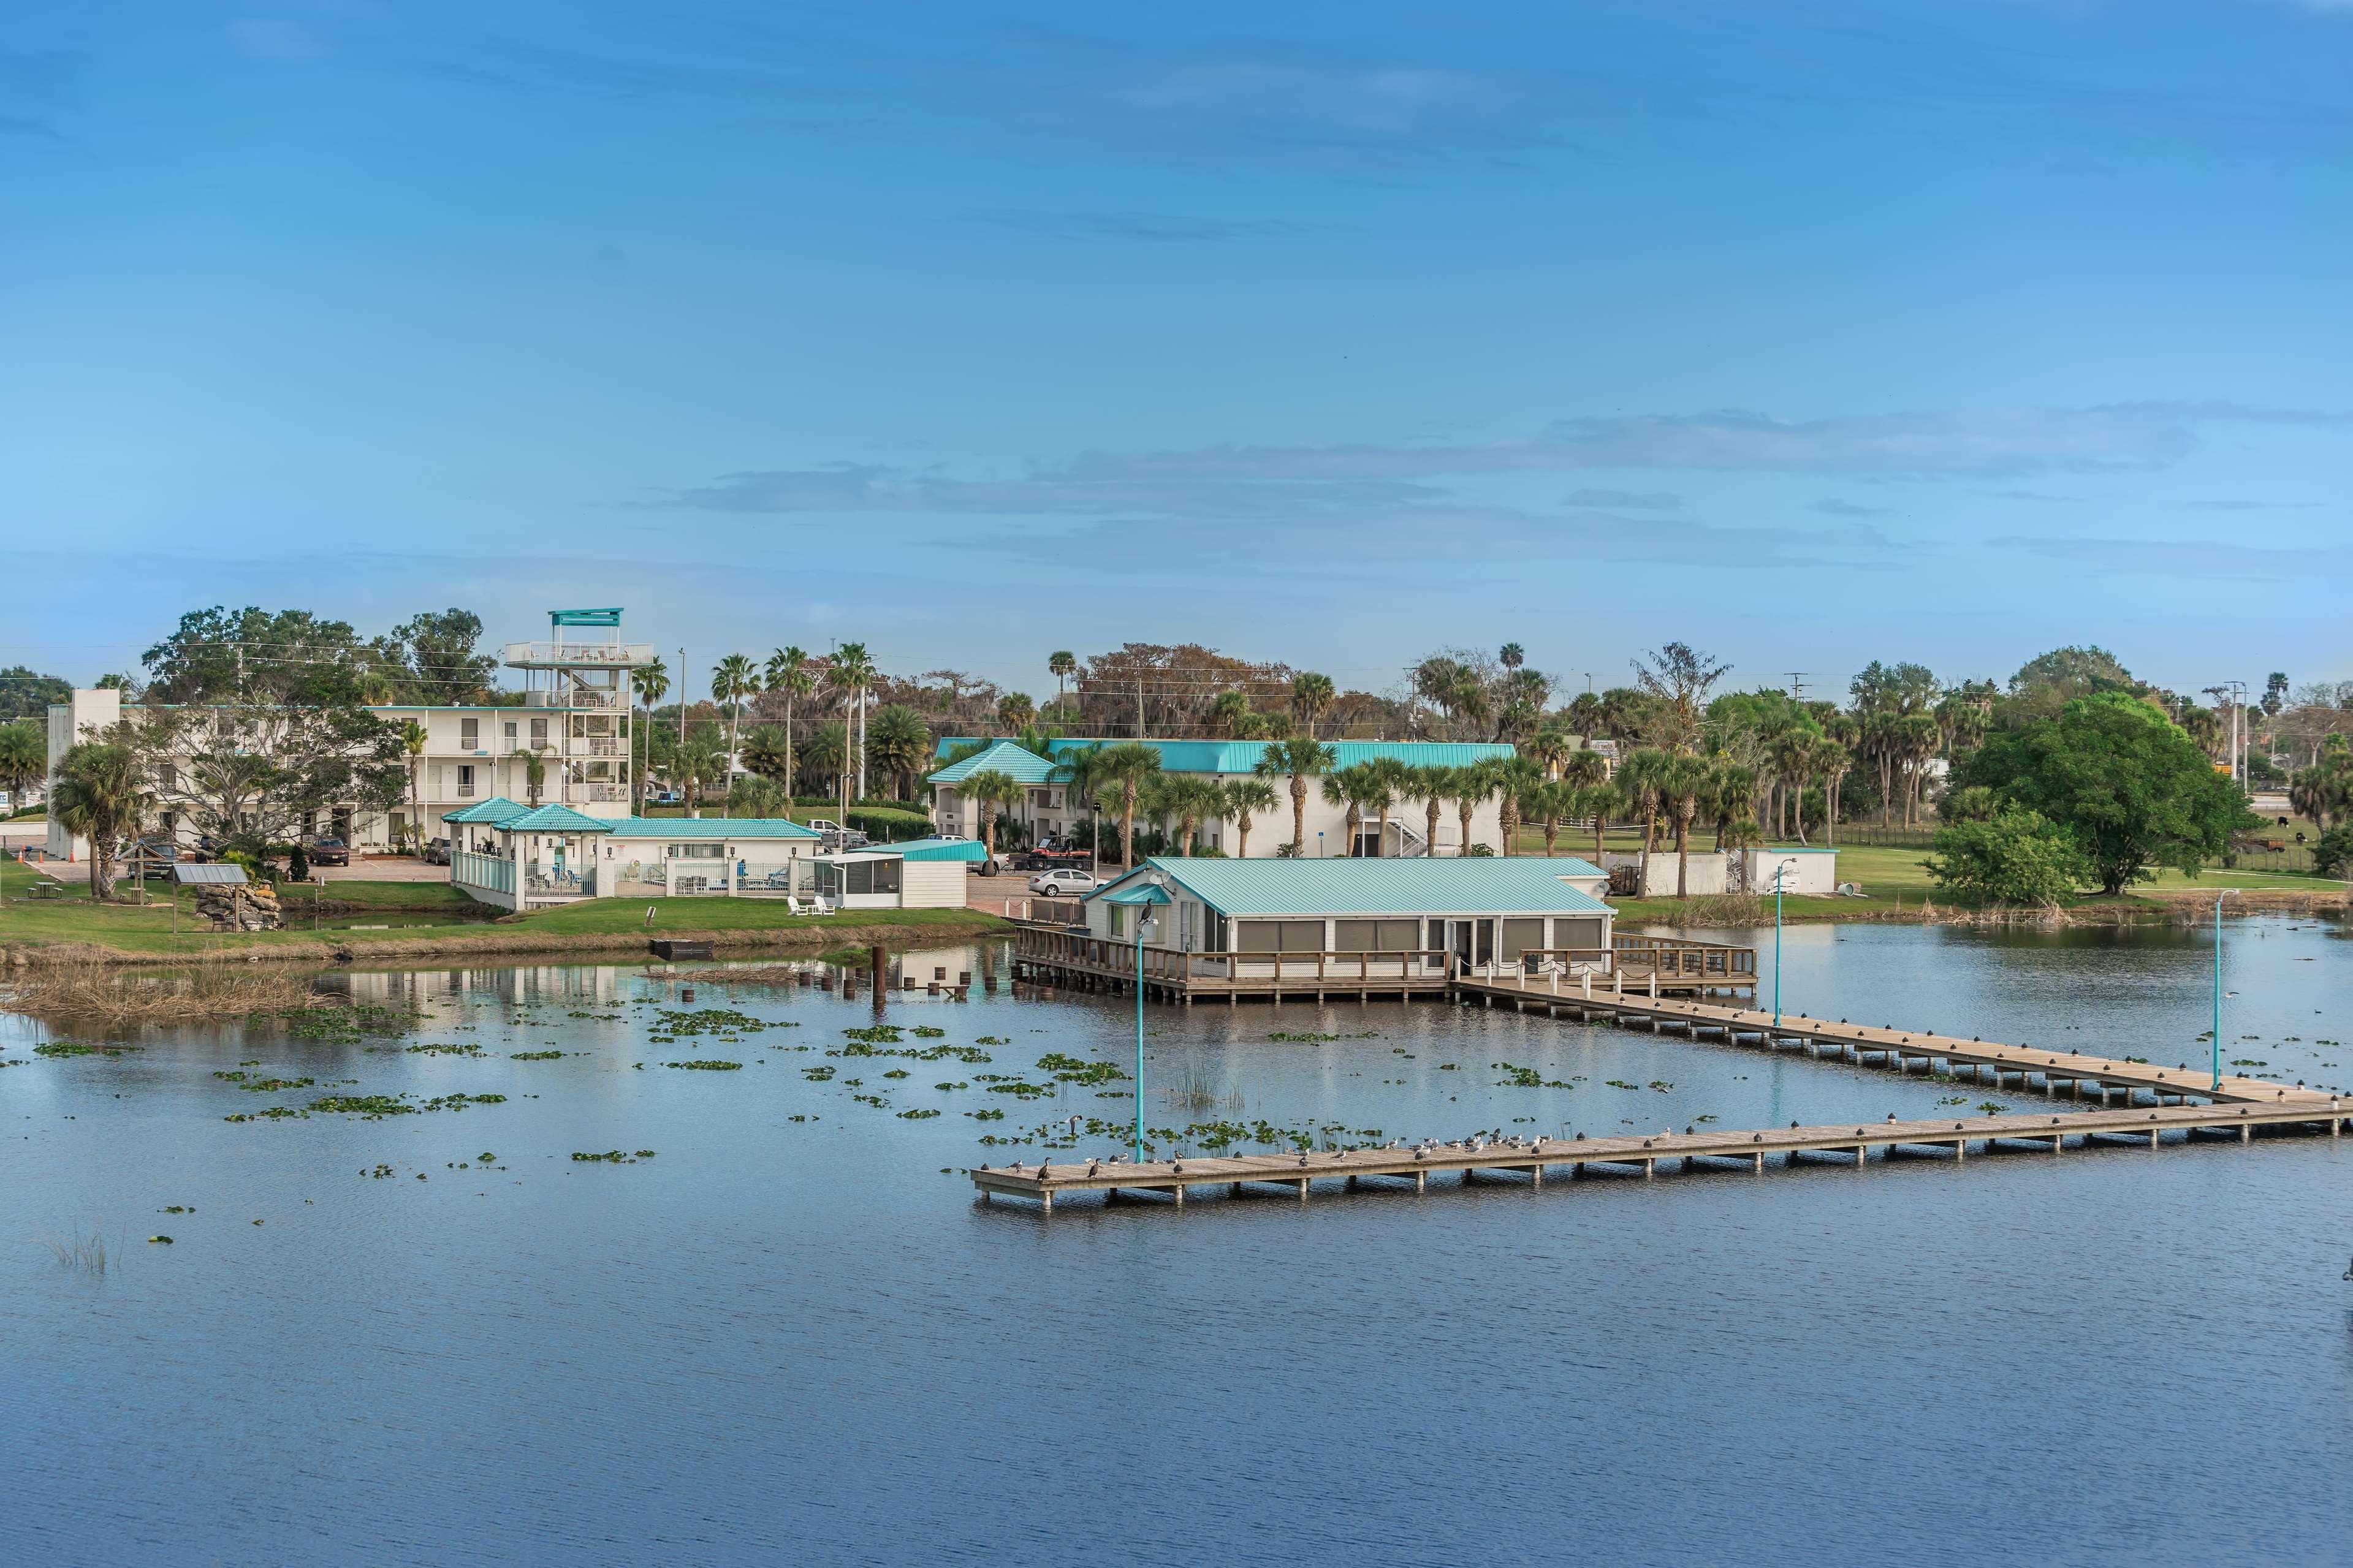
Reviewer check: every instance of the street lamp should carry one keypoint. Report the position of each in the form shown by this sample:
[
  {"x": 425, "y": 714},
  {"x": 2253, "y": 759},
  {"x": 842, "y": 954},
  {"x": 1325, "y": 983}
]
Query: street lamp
[
  {"x": 2218, "y": 984},
  {"x": 1781, "y": 886}
]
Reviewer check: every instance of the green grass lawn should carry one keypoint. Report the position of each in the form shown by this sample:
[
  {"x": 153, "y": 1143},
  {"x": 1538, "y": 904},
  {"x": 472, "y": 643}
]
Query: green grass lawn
[{"x": 147, "y": 930}]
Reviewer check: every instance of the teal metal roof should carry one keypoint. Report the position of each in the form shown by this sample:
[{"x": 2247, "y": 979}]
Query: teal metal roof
[
  {"x": 585, "y": 618},
  {"x": 1241, "y": 756},
  {"x": 969, "y": 849},
  {"x": 556, "y": 820},
  {"x": 1017, "y": 763},
  {"x": 497, "y": 811},
  {"x": 685, "y": 828},
  {"x": 1471, "y": 885}
]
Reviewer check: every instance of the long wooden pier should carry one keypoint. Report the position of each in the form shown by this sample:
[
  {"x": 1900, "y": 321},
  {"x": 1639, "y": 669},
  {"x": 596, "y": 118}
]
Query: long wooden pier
[
  {"x": 2182, "y": 1103},
  {"x": 1888, "y": 1046},
  {"x": 1757, "y": 1149}
]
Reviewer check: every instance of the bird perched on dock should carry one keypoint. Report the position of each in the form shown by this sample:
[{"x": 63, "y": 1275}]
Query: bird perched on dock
[
  {"x": 1042, "y": 1170},
  {"x": 1420, "y": 1153},
  {"x": 1176, "y": 1168},
  {"x": 1091, "y": 1166}
]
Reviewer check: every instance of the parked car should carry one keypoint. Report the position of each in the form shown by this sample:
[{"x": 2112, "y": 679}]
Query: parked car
[
  {"x": 1067, "y": 882},
  {"x": 329, "y": 852},
  {"x": 836, "y": 837},
  {"x": 1045, "y": 859},
  {"x": 437, "y": 852}
]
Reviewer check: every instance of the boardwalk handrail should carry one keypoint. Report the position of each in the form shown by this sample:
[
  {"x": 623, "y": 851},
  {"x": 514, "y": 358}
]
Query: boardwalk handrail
[
  {"x": 1675, "y": 957},
  {"x": 1115, "y": 957}
]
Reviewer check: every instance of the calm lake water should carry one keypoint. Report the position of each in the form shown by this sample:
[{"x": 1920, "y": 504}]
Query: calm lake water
[{"x": 791, "y": 1336}]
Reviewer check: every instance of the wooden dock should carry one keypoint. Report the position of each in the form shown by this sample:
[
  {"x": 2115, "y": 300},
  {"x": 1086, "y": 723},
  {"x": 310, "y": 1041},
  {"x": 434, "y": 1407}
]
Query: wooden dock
[
  {"x": 2181, "y": 1101},
  {"x": 1053, "y": 956},
  {"x": 1898, "y": 1049},
  {"x": 1757, "y": 1149}
]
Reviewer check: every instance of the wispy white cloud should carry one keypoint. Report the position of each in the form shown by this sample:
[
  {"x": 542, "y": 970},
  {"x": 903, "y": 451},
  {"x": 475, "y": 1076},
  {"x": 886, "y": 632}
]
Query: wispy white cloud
[{"x": 1833, "y": 507}]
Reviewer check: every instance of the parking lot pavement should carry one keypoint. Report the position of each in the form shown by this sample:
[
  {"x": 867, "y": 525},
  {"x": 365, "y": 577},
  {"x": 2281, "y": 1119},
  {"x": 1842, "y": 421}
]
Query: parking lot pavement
[{"x": 993, "y": 894}]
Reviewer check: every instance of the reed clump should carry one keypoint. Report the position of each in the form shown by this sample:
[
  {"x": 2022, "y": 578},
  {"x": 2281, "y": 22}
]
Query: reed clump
[{"x": 88, "y": 990}]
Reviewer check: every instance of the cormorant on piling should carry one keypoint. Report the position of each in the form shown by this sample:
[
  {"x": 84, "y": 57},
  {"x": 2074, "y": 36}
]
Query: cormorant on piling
[{"x": 1091, "y": 1166}]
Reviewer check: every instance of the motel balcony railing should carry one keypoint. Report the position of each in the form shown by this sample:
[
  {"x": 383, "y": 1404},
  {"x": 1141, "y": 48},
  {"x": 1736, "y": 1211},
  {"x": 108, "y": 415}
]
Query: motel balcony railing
[
  {"x": 553, "y": 654},
  {"x": 1117, "y": 956}
]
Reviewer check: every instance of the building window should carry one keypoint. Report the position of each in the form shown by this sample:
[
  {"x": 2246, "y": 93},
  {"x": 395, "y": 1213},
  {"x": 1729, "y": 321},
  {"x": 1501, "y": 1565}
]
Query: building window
[
  {"x": 1279, "y": 936},
  {"x": 469, "y": 734},
  {"x": 465, "y": 781},
  {"x": 539, "y": 734},
  {"x": 697, "y": 851},
  {"x": 1119, "y": 920},
  {"x": 511, "y": 734},
  {"x": 1376, "y": 936}
]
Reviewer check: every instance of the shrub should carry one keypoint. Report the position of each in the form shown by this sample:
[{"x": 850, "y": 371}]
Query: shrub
[
  {"x": 2333, "y": 855},
  {"x": 2018, "y": 857}
]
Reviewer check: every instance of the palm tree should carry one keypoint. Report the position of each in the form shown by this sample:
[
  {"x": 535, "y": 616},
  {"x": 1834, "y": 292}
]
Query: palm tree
[
  {"x": 788, "y": 673},
  {"x": 412, "y": 746},
  {"x": 1123, "y": 770},
  {"x": 650, "y": 682},
  {"x": 988, "y": 790},
  {"x": 1061, "y": 664},
  {"x": 1681, "y": 783},
  {"x": 1470, "y": 787},
  {"x": 733, "y": 680},
  {"x": 826, "y": 754},
  {"x": 1015, "y": 711},
  {"x": 1550, "y": 746},
  {"x": 1311, "y": 698},
  {"x": 1432, "y": 786},
  {"x": 1513, "y": 656},
  {"x": 23, "y": 757},
  {"x": 702, "y": 762},
  {"x": 534, "y": 771},
  {"x": 1299, "y": 758},
  {"x": 1396, "y": 779},
  {"x": 853, "y": 672},
  {"x": 1640, "y": 779},
  {"x": 102, "y": 796},
  {"x": 1191, "y": 800},
  {"x": 901, "y": 745},
  {"x": 1548, "y": 803},
  {"x": 1229, "y": 713},
  {"x": 1245, "y": 798},
  {"x": 1513, "y": 777},
  {"x": 1355, "y": 787},
  {"x": 1075, "y": 769}
]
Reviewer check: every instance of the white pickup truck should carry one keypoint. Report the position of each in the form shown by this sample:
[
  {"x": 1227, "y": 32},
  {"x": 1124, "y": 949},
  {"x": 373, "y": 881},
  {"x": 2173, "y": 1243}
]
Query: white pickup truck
[{"x": 837, "y": 836}]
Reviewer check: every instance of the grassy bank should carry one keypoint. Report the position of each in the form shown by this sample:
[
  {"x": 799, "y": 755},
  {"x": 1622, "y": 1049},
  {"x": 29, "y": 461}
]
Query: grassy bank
[
  {"x": 130, "y": 932},
  {"x": 1896, "y": 887}
]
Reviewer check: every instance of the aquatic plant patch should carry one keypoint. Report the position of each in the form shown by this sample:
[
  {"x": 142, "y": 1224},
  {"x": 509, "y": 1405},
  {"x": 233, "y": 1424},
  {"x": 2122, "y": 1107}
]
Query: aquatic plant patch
[
  {"x": 1071, "y": 1069},
  {"x": 533, "y": 1056},
  {"x": 707, "y": 1065},
  {"x": 75, "y": 1048}
]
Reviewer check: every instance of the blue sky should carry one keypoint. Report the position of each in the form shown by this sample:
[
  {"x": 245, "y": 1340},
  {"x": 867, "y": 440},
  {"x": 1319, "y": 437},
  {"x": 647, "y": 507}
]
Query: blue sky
[{"x": 1330, "y": 333}]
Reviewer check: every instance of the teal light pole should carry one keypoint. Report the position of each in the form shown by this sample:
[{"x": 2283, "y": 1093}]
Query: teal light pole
[
  {"x": 1780, "y": 884},
  {"x": 2218, "y": 984}
]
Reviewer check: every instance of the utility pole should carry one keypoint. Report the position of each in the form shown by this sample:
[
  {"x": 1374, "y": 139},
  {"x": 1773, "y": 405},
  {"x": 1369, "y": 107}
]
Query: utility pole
[{"x": 681, "y": 698}]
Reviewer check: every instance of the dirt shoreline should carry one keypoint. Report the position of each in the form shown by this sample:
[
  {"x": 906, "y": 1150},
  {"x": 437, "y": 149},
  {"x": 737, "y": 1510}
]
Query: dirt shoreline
[{"x": 347, "y": 948}]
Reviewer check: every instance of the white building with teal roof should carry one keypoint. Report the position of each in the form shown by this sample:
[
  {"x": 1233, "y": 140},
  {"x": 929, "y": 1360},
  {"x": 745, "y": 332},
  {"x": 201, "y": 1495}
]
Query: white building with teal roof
[
  {"x": 1419, "y": 913},
  {"x": 1047, "y": 804}
]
